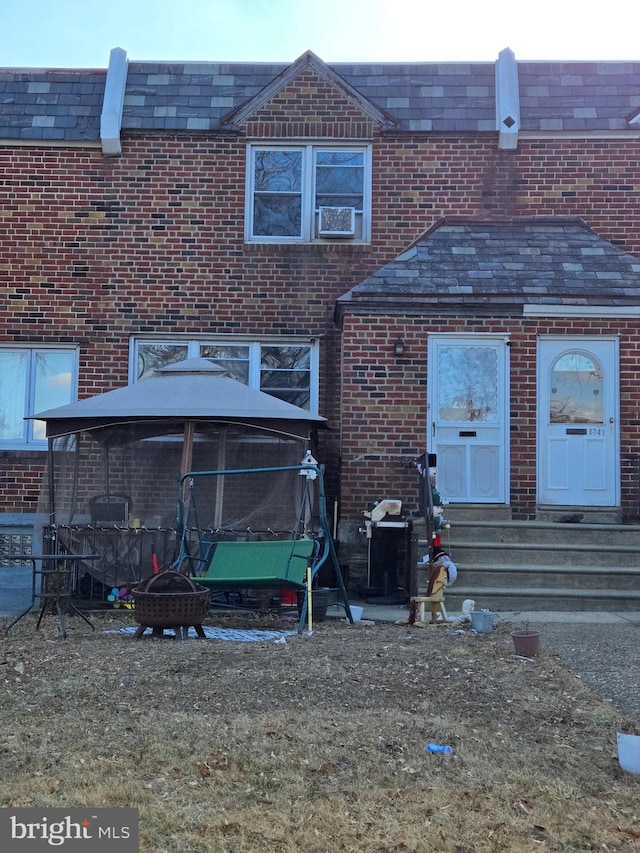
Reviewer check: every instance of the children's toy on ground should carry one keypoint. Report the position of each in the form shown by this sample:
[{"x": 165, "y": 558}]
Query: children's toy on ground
[{"x": 443, "y": 573}]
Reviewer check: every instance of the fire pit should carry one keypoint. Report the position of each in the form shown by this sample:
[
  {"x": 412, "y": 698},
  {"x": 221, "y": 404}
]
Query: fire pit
[{"x": 170, "y": 600}]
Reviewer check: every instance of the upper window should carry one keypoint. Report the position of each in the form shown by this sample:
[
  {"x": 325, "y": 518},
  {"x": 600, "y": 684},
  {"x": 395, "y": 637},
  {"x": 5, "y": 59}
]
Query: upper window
[
  {"x": 33, "y": 380},
  {"x": 287, "y": 371},
  {"x": 305, "y": 193}
]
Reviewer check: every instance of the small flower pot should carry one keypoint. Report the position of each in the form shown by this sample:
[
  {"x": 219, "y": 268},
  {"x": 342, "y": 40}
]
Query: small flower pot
[{"x": 526, "y": 642}]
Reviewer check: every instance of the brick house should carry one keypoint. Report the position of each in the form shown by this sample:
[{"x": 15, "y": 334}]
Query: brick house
[{"x": 433, "y": 256}]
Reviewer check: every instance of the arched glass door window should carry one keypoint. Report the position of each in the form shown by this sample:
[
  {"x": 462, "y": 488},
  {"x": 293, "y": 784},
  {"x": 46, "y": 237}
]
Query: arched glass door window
[{"x": 576, "y": 390}]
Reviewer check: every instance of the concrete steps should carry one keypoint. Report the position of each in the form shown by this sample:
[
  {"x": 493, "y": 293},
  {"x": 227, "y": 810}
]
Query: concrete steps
[
  {"x": 533, "y": 598},
  {"x": 569, "y": 577},
  {"x": 540, "y": 565},
  {"x": 557, "y": 554},
  {"x": 539, "y": 533}
]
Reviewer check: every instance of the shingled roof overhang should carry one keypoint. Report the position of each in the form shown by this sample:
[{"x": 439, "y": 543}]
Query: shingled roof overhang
[{"x": 497, "y": 267}]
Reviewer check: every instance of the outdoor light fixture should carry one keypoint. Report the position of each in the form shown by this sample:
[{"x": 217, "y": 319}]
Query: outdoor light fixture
[{"x": 398, "y": 347}]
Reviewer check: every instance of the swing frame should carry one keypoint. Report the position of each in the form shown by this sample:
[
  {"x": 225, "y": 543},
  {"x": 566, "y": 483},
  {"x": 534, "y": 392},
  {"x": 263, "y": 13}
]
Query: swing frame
[{"x": 245, "y": 572}]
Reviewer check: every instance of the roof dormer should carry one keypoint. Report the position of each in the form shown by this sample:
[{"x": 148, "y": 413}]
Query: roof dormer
[{"x": 308, "y": 100}]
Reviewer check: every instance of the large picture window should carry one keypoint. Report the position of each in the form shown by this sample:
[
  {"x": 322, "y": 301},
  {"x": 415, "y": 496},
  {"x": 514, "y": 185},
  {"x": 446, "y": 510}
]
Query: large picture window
[
  {"x": 288, "y": 187},
  {"x": 288, "y": 371},
  {"x": 31, "y": 381}
]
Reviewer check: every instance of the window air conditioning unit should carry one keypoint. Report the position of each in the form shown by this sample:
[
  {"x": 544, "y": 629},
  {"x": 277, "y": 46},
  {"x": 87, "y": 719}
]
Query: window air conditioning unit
[{"x": 337, "y": 222}]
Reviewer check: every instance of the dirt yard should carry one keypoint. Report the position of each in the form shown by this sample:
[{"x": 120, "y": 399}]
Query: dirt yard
[{"x": 316, "y": 744}]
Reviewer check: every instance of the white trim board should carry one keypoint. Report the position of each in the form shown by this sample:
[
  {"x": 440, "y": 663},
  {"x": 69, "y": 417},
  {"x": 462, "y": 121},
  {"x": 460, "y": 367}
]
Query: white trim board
[{"x": 581, "y": 311}]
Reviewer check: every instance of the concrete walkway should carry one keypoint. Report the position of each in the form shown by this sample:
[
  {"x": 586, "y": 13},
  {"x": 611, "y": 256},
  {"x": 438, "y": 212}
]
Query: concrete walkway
[{"x": 519, "y": 618}]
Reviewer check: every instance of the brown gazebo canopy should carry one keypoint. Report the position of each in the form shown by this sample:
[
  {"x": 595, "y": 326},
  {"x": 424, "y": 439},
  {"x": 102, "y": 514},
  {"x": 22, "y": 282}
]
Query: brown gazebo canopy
[
  {"x": 195, "y": 390},
  {"x": 135, "y": 443}
]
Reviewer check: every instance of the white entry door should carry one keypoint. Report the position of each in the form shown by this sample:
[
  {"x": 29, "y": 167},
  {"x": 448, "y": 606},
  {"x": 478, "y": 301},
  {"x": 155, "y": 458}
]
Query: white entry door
[
  {"x": 468, "y": 416},
  {"x": 578, "y": 456}
]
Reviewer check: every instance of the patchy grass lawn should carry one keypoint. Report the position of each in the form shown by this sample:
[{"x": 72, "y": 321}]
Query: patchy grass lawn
[{"x": 315, "y": 745}]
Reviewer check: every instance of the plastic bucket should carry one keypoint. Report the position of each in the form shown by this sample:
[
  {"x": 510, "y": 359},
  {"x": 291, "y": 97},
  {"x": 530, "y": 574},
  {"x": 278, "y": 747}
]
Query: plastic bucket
[
  {"x": 482, "y": 621},
  {"x": 629, "y": 752},
  {"x": 356, "y": 612},
  {"x": 320, "y": 602},
  {"x": 526, "y": 642},
  {"x": 288, "y": 598}
]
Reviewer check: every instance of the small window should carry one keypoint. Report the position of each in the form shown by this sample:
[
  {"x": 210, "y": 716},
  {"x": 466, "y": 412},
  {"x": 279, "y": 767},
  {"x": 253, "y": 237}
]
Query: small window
[
  {"x": 234, "y": 358},
  {"x": 32, "y": 381},
  {"x": 288, "y": 187},
  {"x": 288, "y": 371},
  {"x": 285, "y": 373}
]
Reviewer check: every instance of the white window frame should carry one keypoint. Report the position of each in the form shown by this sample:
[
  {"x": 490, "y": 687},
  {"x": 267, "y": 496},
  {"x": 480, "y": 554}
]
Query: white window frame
[
  {"x": 193, "y": 344},
  {"x": 309, "y": 227},
  {"x": 28, "y": 441}
]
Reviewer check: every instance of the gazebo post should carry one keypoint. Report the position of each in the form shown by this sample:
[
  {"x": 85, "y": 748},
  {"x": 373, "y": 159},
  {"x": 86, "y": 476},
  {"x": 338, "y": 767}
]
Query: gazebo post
[
  {"x": 187, "y": 447},
  {"x": 185, "y": 467},
  {"x": 222, "y": 464},
  {"x": 52, "y": 508}
]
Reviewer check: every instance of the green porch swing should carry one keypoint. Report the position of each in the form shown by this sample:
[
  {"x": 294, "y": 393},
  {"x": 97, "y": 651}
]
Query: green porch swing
[{"x": 227, "y": 559}]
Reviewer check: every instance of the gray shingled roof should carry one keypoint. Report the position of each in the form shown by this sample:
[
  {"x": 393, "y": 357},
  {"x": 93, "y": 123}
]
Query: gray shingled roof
[
  {"x": 455, "y": 96},
  {"x": 578, "y": 95},
  {"x": 458, "y": 96},
  {"x": 189, "y": 96},
  {"x": 550, "y": 260},
  {"x": 55, "y": 105}
]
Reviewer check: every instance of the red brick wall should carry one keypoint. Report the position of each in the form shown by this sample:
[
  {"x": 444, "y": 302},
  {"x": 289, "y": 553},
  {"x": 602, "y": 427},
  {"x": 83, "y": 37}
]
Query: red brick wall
[
  {"x": 384, "y": 416},
  {"x": 418, "y": 180},
  {"x": 21, "y": 481},
  {"x": 309, "y": 108},
  {"x": 95, "y": 249}
]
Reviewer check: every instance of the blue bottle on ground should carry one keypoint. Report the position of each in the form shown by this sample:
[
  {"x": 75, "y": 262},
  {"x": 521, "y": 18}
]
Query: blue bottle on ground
[{"x": 439, "y": 748}]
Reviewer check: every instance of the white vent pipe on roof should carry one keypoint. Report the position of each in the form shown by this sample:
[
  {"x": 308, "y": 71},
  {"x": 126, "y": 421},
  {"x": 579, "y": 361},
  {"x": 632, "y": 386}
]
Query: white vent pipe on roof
[
  {"x": 507, "y": 99},
  {"x": 113, "y": 103}
]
